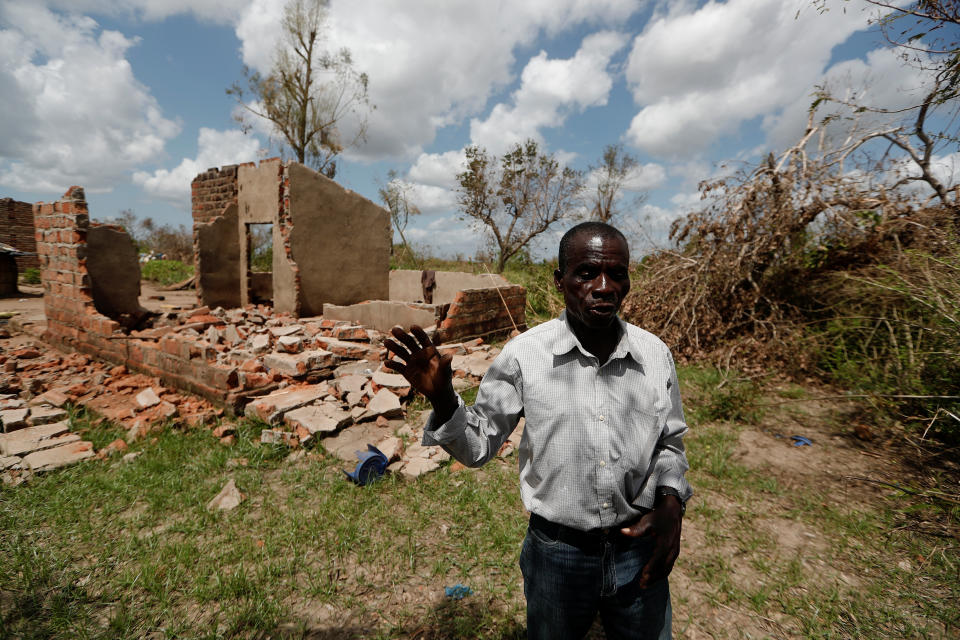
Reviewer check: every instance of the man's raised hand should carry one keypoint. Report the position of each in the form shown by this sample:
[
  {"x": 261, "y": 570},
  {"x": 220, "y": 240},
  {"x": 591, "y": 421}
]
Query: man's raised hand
[{"x": 422, "y": 365}]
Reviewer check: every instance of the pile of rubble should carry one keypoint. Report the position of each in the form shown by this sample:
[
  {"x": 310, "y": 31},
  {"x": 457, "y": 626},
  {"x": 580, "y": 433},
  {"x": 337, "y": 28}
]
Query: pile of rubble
[{"x": 324, "y": 384}]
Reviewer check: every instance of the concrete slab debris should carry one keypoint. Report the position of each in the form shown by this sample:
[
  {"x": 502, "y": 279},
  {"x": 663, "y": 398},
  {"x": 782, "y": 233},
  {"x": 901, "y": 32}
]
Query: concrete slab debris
[
  {"x": 147, "y": 398},
  {"x": 384, "y": 403},
  {"x": 228, "y": 498},
  {"x": 319, "y": 418},
  {"x": 58, "y": 456},
  {"x": 271, "y": 408},
  {"x": 13, "y": 419}
]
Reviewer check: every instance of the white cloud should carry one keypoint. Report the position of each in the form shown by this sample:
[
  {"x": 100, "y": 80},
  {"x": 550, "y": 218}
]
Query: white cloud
[
  {"x": 218, "y": 11},
  {"x": 699, "y": 74},
  {"x": 214, "y": 149},
  {"x": 430, "y": 64},
  {"x": 73, "y": 111},
  {"x": 438, "y": 169},
  {"x": 549, "y": 91},
  {"x": 880, "y": 81}
]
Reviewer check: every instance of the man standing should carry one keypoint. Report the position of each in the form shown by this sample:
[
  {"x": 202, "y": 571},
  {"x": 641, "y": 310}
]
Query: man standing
[{"x": 601, "y": 459}]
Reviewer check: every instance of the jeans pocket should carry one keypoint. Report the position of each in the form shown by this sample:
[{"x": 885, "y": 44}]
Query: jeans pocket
[{"x": 540, "y": 538}]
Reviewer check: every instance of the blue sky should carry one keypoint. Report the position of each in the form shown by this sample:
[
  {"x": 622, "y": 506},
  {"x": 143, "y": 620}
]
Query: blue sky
[{"x": 127, "y": 98}]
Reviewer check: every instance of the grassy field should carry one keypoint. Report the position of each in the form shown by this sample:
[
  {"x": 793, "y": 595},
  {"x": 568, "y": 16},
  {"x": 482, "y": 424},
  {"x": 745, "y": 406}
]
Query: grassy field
[{"x": 779, "y": 541}]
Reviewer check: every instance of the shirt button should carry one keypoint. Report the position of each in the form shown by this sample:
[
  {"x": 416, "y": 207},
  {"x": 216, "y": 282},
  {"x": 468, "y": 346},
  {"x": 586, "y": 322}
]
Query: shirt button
[
  {"x": 606, "y": 504},
  {"x": 603, "y": 463},
  {"x": 601, "y": 418}
]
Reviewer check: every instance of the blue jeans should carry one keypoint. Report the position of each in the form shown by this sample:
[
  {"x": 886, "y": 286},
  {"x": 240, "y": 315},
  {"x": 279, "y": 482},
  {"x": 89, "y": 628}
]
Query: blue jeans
[{"x": 570, "y": 577}]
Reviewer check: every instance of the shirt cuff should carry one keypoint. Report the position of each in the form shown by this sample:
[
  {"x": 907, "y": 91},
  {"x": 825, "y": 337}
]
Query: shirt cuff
[{"x": 438, "y": 435}]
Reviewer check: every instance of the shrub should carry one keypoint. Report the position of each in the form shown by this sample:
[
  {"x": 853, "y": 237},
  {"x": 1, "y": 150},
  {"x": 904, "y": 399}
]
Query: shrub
[
  {"x": 165, "y": 272},
  {"x": 30, "y": 275}
]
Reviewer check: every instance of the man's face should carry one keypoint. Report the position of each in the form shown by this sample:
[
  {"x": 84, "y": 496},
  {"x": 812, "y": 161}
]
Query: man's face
[{"x": 596, "y": 281}]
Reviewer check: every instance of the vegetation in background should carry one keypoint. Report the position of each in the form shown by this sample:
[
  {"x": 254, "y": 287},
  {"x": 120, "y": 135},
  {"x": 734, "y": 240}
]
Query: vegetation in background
[
  {"x": 174, "y": 243},
  {"x": 613, "y": 176},
  {"x": 309, "y": 92},
  {"x": 516, "y": 197},
  {"x": 396, "y": 196},
  {"x": 165, "y": 272},
  {"x": 30, "y": 275},
  {"x": 261, "y": 247}
]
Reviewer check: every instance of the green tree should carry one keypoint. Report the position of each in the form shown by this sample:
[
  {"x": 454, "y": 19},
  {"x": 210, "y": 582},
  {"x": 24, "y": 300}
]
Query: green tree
[
  {"x": 615, "y": 167},
  {"x": 395, "y": 194},
  {"x": 518, "y": 197},
  {"x": 309, "y": 91}
]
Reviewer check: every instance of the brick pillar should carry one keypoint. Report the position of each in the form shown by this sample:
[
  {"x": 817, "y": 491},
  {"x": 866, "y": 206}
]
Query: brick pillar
[{"x": 61, "y": 236}]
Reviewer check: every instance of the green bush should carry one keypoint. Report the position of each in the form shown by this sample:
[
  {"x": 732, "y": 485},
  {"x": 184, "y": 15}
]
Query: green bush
[
  {"x": 30, "y": 275},
  {"x": 893, "y": 331},
  {"x": 165, "y": 272}
]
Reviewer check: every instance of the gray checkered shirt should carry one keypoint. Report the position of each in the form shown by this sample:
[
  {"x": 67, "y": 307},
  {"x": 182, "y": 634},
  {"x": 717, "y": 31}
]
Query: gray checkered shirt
[{"x": 597, "y": 441}]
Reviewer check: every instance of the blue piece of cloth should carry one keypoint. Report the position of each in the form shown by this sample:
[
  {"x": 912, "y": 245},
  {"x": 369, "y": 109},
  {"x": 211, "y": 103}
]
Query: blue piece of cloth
[
  {"x": 800, "y": 441},
  {"x": 458, "y": 591},
  {"x": 567, "y": 586}
]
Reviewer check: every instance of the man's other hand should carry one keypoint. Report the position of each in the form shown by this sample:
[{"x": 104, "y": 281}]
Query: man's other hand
[
  {"x": 663, "y": 524},
  {"x": 424, "y": 368}
]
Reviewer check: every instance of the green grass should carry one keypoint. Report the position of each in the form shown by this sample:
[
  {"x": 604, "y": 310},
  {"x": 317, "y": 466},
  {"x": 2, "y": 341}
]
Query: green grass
[
  {"x": 165, "y": 272},
  {"x": 125, "y": 550}
]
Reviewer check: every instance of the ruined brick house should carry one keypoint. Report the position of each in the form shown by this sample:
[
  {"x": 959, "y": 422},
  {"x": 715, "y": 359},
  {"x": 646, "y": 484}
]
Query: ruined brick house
[{"x": 330, "y": 256}]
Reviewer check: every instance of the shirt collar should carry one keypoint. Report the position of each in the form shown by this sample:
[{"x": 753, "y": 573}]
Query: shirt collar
[{"x": 567, "y": 341}]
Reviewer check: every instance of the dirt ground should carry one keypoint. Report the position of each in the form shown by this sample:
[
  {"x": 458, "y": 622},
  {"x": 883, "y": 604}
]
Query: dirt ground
[{"x": 28, "y": 304}]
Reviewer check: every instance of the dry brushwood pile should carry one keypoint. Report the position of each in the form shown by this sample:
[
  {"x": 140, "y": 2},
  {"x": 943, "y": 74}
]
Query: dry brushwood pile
[{"x": 777, "y": 248}]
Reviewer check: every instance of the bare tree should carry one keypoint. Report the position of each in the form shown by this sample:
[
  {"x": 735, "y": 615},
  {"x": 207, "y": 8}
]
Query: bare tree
[
  {"x": 518, "y": 197},
  {"x": 309, "y": 92},
  {"x": 924, "y": 33},
  {"x": 396, "y": 196},
  {"x": 612, "y": 173}
]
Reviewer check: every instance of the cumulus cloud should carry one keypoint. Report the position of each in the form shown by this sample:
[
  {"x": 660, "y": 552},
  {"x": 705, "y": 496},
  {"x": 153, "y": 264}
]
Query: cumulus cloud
[
  {"x": 218, "y": 11},
  {"x": 438, "y": 169},
  {"x": 214, "y": 149},
  {"x": 549, "y": 91},
  {"x": 430, "y": 64},
  {"x": 73, "y": 111},
  {"x": 698, "y": 74}
]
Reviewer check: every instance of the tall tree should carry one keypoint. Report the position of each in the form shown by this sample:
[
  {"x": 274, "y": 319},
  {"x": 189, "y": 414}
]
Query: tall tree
[
  {"x": 611, "y": 174},
  {"x": 309, "y": 91},
  {"x": 395, "y": 194},
  {"x": 517, "y": 197}
]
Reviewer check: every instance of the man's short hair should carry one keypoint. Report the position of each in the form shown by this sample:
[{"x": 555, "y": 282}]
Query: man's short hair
[{"x": 591, "y": 228}]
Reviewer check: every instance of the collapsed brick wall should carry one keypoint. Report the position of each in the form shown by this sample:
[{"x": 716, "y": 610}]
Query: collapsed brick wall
[
  {"x": 481, "y": 312},
  {"x": 73, "y": 323},
  {"x": 213, "y": 190},
  {"x": 17, "y": 230}
]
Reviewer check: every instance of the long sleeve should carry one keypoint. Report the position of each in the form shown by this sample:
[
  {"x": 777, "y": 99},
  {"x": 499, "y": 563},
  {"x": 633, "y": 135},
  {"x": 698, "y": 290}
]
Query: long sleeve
[
  {"x": 473, "y": 435},
  {"x": 669, "y": 464}
]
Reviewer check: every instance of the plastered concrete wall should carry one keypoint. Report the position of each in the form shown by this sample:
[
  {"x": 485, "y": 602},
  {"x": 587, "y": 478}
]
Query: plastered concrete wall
[
  {"x": 405, "y": 284},
  {"x": 218, "y": 260},
  {"x": 114, "y": 267},
  {"x": 17, "y": 230},
  {"x": 258, "y": 202},
  {"x": 382, "y": 315},
  {"x": 339, "y": 240}
]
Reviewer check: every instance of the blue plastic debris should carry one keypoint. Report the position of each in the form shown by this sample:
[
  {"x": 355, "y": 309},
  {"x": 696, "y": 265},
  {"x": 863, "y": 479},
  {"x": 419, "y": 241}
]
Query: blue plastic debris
[
  {"x": 372, "y": 465},
  {"x": 800, "y": 441},
  {"x": 458, "y": 591}
]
